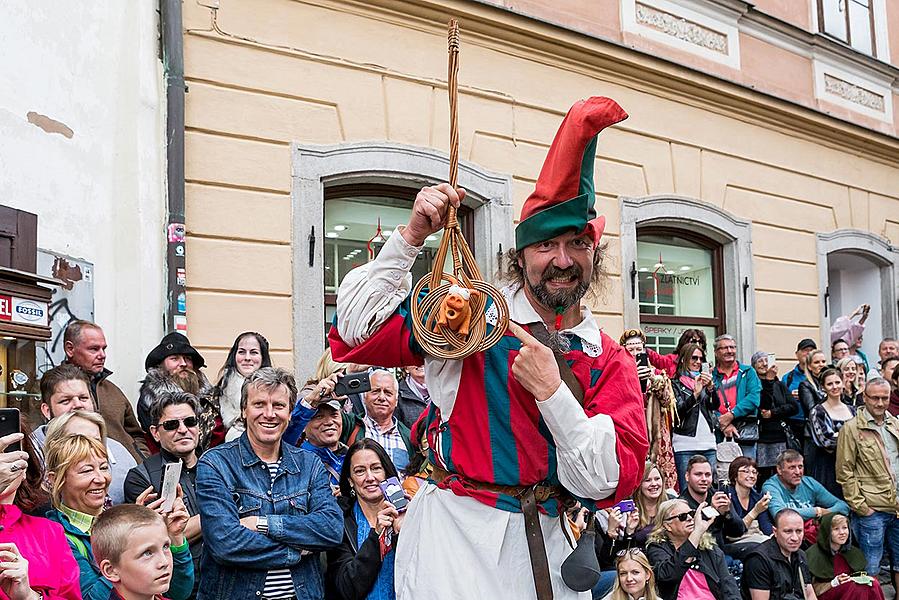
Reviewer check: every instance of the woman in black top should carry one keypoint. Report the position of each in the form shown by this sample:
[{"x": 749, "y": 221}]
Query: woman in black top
[
  {"x": 811, "y": 392},
  {"x": 356, "y": 567},
  {"x": 776, "y": 404},
  {"x": 685, "y": 557}
]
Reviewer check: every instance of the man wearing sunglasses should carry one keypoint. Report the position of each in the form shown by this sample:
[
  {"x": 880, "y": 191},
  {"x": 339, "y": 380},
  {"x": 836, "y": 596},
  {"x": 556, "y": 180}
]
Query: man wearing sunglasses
[{"x": 175, "y": 428}]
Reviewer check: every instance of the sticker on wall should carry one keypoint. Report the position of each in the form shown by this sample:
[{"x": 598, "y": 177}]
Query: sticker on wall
[
  {"x": 176, "y": 232},
  {"x": 180, "y": 277},
  {"x": 182, "y": 302},
  {"x": 179, "y": 250},
  {"x": 181, "y": 324}
]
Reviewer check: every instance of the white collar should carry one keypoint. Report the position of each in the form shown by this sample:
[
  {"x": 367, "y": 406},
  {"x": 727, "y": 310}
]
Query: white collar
[{"x": 521, "y": 311}]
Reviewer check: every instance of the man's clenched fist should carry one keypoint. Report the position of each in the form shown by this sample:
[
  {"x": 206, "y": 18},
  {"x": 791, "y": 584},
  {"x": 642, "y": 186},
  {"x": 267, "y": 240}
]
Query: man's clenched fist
[{"x": 429, "y": 212}]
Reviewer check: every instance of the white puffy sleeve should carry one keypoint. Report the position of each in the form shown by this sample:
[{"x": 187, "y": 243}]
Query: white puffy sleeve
[
  {"x": 370, "y": 293},
  {"x": 585, "y": 446}
]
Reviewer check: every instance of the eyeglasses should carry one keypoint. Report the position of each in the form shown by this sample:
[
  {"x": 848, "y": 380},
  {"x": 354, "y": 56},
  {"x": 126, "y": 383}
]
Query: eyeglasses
[
  {"x": 629, "y": 552},
  {"x": 748, "y": 470},
  {"x": 173, "y": 424},
  {"x": 683, "y": 517},
  {"x": 696, "y": 357}
]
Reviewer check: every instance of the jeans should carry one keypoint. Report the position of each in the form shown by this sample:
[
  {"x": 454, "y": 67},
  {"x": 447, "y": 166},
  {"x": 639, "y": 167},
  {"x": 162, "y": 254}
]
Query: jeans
[
  {"x": 748, "y": 449},
  {"x": 682, "y": 458},
  {"x": 604, "y": 586},
  {"x": 877, "y": 532}
]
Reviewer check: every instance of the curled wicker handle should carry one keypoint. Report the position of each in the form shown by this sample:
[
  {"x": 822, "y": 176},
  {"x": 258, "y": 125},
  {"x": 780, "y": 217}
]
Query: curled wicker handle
[{"x": 439, "y": 340}]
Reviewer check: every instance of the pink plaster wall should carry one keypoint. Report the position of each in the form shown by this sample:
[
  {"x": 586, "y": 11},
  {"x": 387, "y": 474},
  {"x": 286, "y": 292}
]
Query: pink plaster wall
[
  {"x": 775, "y": 70},
  {"x": 893, "y": 28},
  {"x": 791, "y": 11},
  {"x": 600, "y": 18}
]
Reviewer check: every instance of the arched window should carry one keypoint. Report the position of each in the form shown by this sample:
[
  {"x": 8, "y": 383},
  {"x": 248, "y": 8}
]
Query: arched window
[
  {"x": 339, "y": 192},
  {"x": 688, "y": 264}
]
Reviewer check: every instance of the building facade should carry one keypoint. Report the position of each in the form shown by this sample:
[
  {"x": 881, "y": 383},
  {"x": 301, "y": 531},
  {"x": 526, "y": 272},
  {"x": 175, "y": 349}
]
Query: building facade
[
  {"x": 82, "y": 114},
  {"x": 753, "y": 190}
]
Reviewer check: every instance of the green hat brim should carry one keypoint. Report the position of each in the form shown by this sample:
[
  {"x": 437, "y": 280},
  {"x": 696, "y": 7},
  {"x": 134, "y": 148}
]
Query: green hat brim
[{"x": 570, "y": 215}]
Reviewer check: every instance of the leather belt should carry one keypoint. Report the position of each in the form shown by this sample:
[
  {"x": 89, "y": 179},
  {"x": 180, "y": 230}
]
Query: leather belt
[{"x": 530, "y": 496}]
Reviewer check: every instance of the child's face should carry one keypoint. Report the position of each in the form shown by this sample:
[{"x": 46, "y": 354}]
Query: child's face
[{"x": 145, "y": 568}]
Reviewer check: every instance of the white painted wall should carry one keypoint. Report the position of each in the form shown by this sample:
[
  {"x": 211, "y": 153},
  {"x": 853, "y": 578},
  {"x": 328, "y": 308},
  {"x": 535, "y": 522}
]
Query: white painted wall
[
  {"x": 854, "y": 281},
  {"x": 99, "y": 195}
]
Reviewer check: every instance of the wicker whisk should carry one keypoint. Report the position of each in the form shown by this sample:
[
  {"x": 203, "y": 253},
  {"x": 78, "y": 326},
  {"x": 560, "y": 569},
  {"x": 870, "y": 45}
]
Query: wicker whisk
[{"x": 438, "y": 340}]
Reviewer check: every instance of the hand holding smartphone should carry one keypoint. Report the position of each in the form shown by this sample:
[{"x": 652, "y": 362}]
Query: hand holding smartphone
[
  {"x": 9, "y": 424},
  {"x": 393, "y": 493},
  {"x": 170, "y": 479}
]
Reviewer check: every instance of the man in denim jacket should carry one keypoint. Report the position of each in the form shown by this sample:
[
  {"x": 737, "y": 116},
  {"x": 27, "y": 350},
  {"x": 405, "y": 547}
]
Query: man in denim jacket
[{"x": 266, "y": 506}]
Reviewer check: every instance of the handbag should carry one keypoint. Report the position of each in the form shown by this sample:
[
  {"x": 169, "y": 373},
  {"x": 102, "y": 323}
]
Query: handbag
[
  {"x": 747, "y": 430},
  {"x": 792, "y": 442}
]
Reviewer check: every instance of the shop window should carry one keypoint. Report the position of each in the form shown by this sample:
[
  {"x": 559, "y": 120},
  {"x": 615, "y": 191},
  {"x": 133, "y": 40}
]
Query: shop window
[
  {"x": 852, "y": 21},
  {"x": 359, "y": 220},
  {"x": 679, "y": 285}
]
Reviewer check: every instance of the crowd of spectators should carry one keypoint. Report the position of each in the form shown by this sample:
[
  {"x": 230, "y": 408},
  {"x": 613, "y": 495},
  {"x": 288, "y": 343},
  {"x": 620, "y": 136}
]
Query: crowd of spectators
[{"x": 757, "y": 486}]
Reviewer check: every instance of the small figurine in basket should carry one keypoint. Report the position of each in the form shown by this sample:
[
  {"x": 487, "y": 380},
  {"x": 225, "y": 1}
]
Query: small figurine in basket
[{"x": 455, "y": 310}]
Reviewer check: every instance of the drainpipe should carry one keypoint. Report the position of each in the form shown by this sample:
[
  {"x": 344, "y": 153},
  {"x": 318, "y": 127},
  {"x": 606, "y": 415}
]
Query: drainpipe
[{"x": 173, "y": 67}]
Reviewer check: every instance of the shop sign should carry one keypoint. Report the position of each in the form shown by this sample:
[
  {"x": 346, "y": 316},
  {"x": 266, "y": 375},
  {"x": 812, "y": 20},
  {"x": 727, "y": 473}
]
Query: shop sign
[{"x": 19, "y": 310}]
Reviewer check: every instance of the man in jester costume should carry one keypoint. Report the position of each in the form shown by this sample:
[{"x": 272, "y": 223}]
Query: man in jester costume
[{"x": 510, "y": 440}]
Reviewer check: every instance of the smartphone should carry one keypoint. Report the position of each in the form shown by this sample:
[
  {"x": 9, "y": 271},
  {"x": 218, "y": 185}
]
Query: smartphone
[
  {"x": 772, "y": 359},
  {"x": 642, "y": 359},
  {"x": 170, "y": 479},
  {"x": 10, "y": 423},
  {"x": 724, "y": 486},
  {"x": 352, "y": 383},
  {"x": 625, "y": 506},
  {"x": 393, "y": 493},
  {"x": 710, "y": 513},
  {"x": 706, "y": 368}
]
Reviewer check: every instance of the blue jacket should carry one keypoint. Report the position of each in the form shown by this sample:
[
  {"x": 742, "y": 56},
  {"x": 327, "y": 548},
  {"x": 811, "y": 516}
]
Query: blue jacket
[
  {"x": 754, "y": 496},
  {"x": 749, "y": 389},
  {"x": 232, "y": 483},
  {"x": 793, "y": 378},
  {"x": 808, "y": 494},
  {"x": 96, "y": 587}
]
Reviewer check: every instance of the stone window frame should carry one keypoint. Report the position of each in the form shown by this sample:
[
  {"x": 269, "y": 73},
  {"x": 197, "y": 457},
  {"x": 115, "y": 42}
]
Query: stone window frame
[
  {"x": 872, "y": 247},
  {"x": 734, "y": 235},
  {"x": 315, "y": 166}
]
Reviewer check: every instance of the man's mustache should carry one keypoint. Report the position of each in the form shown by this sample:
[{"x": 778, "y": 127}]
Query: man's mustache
[{"x": 552, "y": 272}]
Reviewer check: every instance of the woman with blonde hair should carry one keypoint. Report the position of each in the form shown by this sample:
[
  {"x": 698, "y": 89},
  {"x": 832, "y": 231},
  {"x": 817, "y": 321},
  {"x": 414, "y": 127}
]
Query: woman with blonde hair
[
  {"x": 684, "y": 557},
  {"x": 853, "y": 383},
  {"x": 78, "y": 473},
  {"x": 635, "y": 580},
  {"x": 631, "y": 530},
  {"x": 92, "y": 425}
]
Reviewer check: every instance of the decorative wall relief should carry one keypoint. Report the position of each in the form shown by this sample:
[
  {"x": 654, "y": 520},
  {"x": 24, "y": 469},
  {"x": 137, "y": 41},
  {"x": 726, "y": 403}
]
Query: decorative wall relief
[
  {"x": 681, "y": 28},
  {"x": 854, "y": 93}
]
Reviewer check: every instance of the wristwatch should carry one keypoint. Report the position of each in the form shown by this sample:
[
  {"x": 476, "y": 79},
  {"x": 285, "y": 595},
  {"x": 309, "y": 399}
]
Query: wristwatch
[{"x": 262, "y": 525}]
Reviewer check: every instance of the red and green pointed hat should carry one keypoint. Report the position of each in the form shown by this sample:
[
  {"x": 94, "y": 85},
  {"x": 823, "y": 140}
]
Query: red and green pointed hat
[{"x": 564, "y": 196}]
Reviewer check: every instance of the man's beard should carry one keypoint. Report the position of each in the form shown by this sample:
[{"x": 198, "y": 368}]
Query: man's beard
[
  {"x": 188, "y": 381},
  {"x": 561, "y": 299}
]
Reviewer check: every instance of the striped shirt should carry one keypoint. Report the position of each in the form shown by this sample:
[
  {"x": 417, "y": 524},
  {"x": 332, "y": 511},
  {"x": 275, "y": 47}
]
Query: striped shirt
[
  {"x": 391, "y": 440},
  {"x": 278, "y": 583}
]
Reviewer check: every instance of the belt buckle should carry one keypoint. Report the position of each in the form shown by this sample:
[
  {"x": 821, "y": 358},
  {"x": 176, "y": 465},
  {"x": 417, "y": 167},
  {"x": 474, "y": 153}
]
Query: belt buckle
[{"x": 542, "y": 493}]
